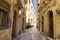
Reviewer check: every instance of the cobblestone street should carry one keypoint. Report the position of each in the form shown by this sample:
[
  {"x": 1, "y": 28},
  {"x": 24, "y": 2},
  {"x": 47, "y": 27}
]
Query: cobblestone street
[{"x": 31, "y": 34}]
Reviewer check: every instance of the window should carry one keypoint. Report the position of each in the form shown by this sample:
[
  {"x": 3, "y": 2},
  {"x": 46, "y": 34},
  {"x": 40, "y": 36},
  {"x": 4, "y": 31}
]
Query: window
[
  {"x": 29, "y": 1},
  {"x": 3, "y": 19}
]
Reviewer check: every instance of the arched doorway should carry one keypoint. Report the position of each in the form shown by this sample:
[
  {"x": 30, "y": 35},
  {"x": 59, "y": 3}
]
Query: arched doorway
[
  {"x": 42, "y": 24},
  {"x": 22, "y": 23},
  {"x": 14, "y": 25},
  {"x": 51, "y": 24}
]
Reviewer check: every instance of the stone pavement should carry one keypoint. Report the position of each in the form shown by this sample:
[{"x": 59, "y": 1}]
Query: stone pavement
[{"x": 31, "y": 34}]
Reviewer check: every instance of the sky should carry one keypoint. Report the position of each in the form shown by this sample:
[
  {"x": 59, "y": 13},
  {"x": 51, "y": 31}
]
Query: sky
[{"x": 35, "y": 3}]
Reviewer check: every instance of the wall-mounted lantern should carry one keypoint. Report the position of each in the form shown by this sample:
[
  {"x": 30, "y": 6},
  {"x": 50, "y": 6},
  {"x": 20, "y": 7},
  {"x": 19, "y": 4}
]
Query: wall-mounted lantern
[
  {"x": 20, "y": 12},
  {"x": 58, "y": 12}
]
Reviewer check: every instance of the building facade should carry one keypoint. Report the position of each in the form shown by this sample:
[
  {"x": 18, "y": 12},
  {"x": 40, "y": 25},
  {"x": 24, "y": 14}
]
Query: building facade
[
  {"x": 48, "y": 16},
  {"x": 30, "y": 12},
  {"x": 11, "y": 20}
]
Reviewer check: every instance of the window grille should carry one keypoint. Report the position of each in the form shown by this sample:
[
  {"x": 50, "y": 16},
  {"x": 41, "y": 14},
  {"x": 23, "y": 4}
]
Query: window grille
[{"x": 3, "y": 19}]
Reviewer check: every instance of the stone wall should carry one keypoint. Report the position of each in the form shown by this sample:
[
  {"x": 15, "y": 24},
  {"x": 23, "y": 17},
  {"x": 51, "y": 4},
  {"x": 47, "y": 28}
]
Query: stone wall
[
  {"x": 5, "y": 34},
  {"x": 56, "y": 20}
]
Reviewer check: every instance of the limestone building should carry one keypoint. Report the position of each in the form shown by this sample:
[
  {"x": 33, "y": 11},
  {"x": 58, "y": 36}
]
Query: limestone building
[
  {"x": 30, "y": 12},
  {"x": 11, "y": 20},
  {"x": 48, "y": 16}
]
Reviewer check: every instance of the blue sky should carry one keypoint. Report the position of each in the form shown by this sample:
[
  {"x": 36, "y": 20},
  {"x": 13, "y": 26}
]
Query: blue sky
[{"x": 35, "y": 3}]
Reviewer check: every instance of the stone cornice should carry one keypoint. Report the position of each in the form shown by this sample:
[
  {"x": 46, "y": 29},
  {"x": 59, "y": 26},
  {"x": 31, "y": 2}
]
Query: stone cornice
[
  {"x": 4, "y": 5},
  {"x": 53, "y": 3}
]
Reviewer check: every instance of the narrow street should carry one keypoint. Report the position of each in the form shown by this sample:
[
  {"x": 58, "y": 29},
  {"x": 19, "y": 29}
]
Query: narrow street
[
  {"x": 31, "y": 34},
  {"x": 29, "y": 19}
]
